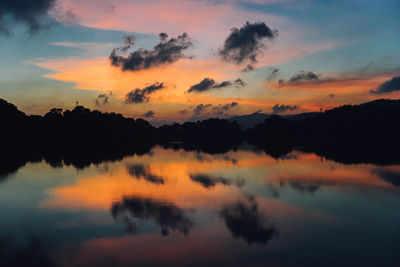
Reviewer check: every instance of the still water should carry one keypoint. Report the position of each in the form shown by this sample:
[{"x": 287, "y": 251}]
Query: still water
[{"x": 178, "y": 208}]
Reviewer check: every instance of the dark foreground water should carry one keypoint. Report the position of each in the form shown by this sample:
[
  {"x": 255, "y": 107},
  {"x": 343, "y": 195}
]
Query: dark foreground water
[{"x": 177, "y": 208}]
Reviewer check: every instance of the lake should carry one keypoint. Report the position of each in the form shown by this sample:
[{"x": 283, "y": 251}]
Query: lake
[{"x": 171, "y": 207}]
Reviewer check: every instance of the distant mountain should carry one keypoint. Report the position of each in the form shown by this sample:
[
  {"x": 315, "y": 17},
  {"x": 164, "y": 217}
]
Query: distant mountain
[
  {"x": 251, "y": 120},
  {"x": 301, "y": 116}
]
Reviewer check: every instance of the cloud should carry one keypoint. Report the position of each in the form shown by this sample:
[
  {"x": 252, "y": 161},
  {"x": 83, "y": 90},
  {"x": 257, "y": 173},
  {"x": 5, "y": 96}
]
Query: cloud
[
  {"x": 208, "y": 181},
  {"x": 282, "y": 108},
  {"x": 208, "y": 84},
  {"x": 298, "y": 78},
  {"x": 163, "y": 36},
  {"x": 388, "y": 86},
  {"x": 245, "y": 44},
  {"x": 166, "y": 52},
  {"x": 303, "y": 76},
  {"x": 142, "y": 95},
  {"x": 227, "y": 106},
  {"x": 209, "y": 110},
  {"x": 148, "y": 114},
  {"x": 199, "y": 109},
  {"x": 129, "y": 41},
  {"x": 240, "y": 83},
  {"x": 168, "y": 216},
  {"x": 244, "y": 220},
  {"x": 101, "y": 100},
  {"x": 222, "y": 84},
  {"x": 248, "y": 68},
  {"x": 272, "y": 75},
  {"x": 28, "y": 12},
  {"x": 202, "y": 86}
]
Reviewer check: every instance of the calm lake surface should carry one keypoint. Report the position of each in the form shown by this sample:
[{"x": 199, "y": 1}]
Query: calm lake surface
[{"x": 177, "y": 208}]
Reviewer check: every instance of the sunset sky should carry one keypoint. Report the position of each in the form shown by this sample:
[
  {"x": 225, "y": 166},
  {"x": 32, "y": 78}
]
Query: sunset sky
[{"x": 184, "y": 60}]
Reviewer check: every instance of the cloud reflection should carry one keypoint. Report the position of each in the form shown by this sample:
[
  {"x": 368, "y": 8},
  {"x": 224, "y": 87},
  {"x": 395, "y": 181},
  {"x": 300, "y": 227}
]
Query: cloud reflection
[
  {"x": 208, "y": 181},
  {"x": 246, "y": 221},
  {"x": 143, "y": 172},
  {"x": 167, "y": 215}
]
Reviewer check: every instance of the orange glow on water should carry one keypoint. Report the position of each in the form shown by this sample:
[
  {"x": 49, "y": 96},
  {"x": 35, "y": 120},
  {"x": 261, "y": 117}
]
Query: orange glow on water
[{"x": 175, "y": 168}]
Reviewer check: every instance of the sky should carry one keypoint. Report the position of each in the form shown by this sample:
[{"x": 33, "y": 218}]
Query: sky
[{"x": 182, "y": 60}]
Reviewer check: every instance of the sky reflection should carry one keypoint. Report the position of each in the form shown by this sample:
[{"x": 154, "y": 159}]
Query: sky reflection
[{"x": 172, "y": 207}]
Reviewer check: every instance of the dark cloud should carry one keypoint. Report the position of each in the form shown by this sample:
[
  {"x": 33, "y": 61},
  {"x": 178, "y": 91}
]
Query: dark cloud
[
  {"x": 148, "y": 114},
  {"x": 208, "y": 84},
  {"x": 202, "y": 86},
  {"x": 272, "y": 75},
  {"x": 208, "y": 181},
  {"x": 304, "y": 76},
  {"x": 167, "y": 215},
  {"x": 31, "y": 13},
  {"x": 101, "y": 100},
  {"x": 388, "y": 86},
  {"x": 129, "y": 41},
  {"x": 248, "y": 68},
  {"x": 199, "y": 109},
  {"x": 166, "y": 52},
  {"x": 211, "y": 110},
  {"x": 244, "y": 220},
  {"x": 143, "y": 172},
  {"x": 298, "y": 78},
  {"x": 282, "y": 108},
  {"x": 163, "y": 36},
  {"x": 227, "y": 107},
  {"x": 142, "y": 95},
  {"x": 223, "y": 84},
  {"x": 240, "y": 83},
  {"x": 245, "y": 44}
]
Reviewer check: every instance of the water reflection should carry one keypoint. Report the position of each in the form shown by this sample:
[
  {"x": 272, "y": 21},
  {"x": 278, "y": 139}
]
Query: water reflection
[
  {"x": 389, "y": 175},
  {"x": 167, "y": 215},
  {"x": 142, "y": 172},
  {"x": 236, "y": 208},
  {"x": 34, "y": 253},
  {"x": 209, "y": 181},
  {"x": 303, "y": 186},
  {"x": 246, "y": 221}
]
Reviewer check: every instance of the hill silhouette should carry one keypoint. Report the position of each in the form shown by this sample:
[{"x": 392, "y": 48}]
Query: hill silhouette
[
  {"x": 366, "y": 133},
  {"x": 350, "y": 134},
  {"x": 249, "y": 121}
]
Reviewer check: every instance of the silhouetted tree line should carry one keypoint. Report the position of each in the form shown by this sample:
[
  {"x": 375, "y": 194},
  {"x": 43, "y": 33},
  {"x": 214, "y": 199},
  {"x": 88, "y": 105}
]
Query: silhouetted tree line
[
  {"x": 212, "y": 135},
  {"x": 350, "y": 134}
]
